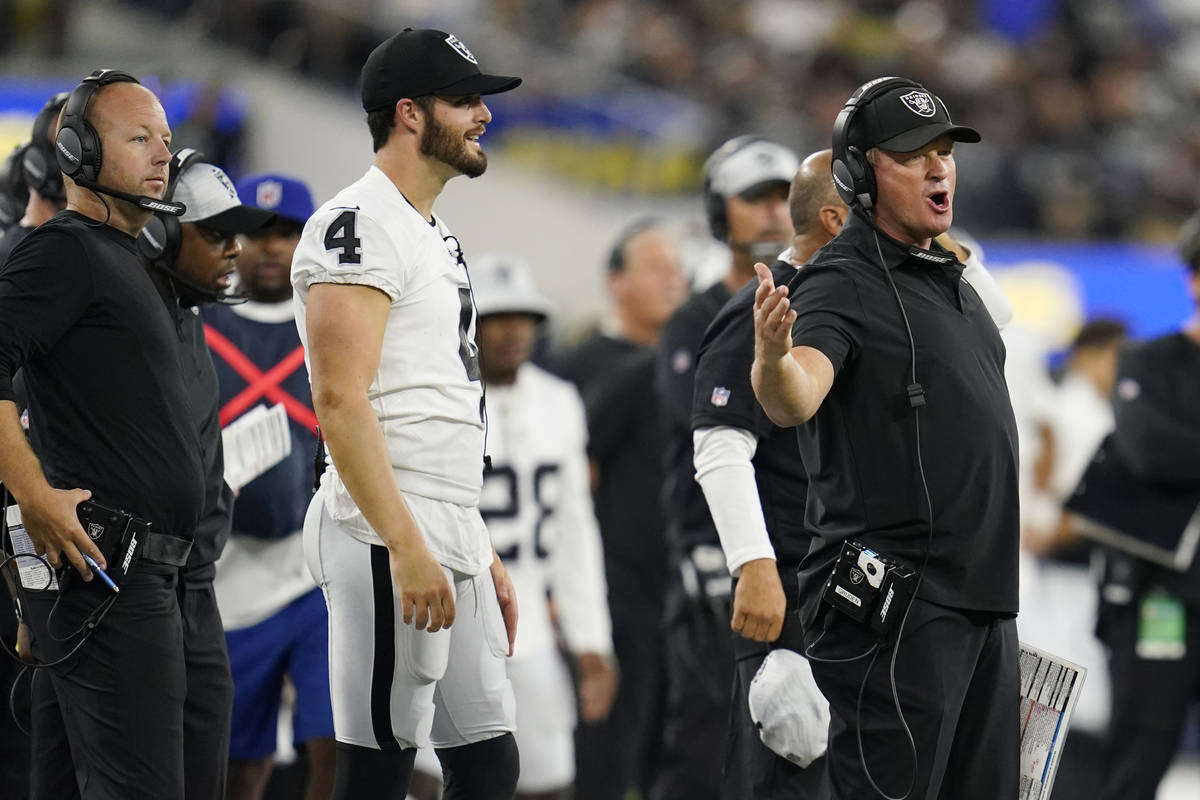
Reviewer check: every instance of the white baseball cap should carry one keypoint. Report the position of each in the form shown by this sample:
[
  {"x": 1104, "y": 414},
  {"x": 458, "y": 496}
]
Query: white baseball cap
[
  {"x": 791, "y": 713},
  {"x": 747, "y": 166},
  {"x": 212, "y": 201},
  {"x": 502, "y": 284}
]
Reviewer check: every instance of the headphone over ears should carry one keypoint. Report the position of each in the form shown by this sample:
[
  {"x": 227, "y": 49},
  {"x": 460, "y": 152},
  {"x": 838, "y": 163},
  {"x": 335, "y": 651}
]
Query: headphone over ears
[
  {"x": 714, "y": 203},
  {"x": 853, "y": 176},
  {"x": 36, "y": 160},
  {"x": 77, "y": 146},
  {"x": 162, "y": 235}
]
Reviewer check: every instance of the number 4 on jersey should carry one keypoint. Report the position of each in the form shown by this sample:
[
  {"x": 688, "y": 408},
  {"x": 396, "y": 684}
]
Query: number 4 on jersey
[{"x": 341, "y": 236}]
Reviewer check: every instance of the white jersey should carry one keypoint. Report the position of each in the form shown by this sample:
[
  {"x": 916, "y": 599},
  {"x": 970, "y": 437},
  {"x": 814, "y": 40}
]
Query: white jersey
[
  {"x": 427, "y": 393},
  {"x": 538, "y": 507}
]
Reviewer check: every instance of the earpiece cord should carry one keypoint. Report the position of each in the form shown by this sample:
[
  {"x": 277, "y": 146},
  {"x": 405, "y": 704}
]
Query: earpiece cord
[{"x": 924, "y": 561}]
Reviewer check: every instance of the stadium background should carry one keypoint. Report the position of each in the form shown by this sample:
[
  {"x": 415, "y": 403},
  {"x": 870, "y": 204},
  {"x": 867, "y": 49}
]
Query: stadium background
[{"x": 1090, "y": 159}]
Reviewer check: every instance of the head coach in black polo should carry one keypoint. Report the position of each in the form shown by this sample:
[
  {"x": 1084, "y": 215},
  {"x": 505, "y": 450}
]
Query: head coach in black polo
[
  {"x": 110, "y": 423},
  {"x": 892, "y": 367}
]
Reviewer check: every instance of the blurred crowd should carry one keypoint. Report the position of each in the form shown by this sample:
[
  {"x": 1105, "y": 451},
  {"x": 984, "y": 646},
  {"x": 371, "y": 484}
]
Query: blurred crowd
[{"x": 1087, "y": 108}]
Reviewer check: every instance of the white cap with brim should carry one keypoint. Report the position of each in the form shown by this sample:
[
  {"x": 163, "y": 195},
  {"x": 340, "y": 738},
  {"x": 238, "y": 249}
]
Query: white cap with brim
[
  {"x": 753, "y": 168},
  {"x": 791, "y": 713},
  {"x": 502, "y": 284},
  {"x": 213, "y": 202}
]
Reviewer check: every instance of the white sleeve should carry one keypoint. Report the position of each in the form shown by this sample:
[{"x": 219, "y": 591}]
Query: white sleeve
[
  {"x": 577, "y": 570},
  {"x": 724, "y": 472},
  {"x": 993, "y": 297},
  {"x": 345, "y": 245}
]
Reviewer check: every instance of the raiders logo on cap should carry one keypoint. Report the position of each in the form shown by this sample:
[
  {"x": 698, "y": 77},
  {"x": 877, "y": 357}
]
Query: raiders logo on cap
[
  {"x": 461, "y": 48},
  {"x": 920, "y": 103}
]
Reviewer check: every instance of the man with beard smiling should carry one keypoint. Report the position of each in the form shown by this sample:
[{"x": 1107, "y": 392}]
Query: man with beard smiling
[
  {"x": 891, "y": 366},
  {"x": 394, "y": 534}
]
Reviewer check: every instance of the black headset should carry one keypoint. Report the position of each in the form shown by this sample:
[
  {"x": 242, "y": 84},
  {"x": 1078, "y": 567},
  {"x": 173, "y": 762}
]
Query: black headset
[
  {"x": 714, "y": 203},
  {"x": 853, "y": 176},
  {"x": 77, "y": 146},
  {"x": 36, "y": 160},
  {"x": 162, "y": 236}
]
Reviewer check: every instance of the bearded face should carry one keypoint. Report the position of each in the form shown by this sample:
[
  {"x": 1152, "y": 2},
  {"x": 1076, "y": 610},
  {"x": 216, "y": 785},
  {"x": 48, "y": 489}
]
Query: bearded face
[{"x": 452, "y": 147}]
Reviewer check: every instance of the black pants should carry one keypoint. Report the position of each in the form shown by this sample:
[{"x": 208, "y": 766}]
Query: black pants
[
  {"x": 622, "y": 751},
  {"x": 108, "y": 723},
  {"x": 1150, "y": 700},
  {"x": 699, "y": 661},
  {"x": 958, "y": 681},
  {"x": 208, "y": 709},
  {"x": 752, "y": 770}
]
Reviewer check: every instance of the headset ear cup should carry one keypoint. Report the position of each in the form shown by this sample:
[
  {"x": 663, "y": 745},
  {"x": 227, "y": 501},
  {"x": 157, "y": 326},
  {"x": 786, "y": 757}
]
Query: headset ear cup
[
  {"x": 90, "y": 141},
  {"x": 843, "y": 181},
  {"x": 714, "y": 209},
  {"x": 863, "y": 175},
  {"x": 68, "y": 151}
]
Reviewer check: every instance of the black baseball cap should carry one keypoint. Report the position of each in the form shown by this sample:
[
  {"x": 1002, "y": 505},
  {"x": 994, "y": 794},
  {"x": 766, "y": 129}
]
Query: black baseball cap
[
  {"x": 424, "y": 61},
  {"x": 905, "y": 119}
]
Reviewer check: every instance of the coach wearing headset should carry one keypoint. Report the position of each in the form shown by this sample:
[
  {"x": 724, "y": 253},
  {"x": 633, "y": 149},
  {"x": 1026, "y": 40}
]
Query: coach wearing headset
[
  {"x": 80, "y": 315},
  {"x": 892, "y": 367}
]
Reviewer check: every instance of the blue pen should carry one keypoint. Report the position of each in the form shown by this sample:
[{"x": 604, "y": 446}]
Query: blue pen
[{"x": 91, "y": 562}]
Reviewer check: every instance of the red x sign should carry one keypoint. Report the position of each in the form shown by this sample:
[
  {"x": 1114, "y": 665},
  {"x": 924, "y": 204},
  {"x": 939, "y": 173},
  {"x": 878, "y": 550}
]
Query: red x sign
[{"x": 260, "y": 383}]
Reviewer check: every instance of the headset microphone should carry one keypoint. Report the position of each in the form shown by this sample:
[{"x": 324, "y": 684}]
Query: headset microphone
[{"x": 140, "y": 200}]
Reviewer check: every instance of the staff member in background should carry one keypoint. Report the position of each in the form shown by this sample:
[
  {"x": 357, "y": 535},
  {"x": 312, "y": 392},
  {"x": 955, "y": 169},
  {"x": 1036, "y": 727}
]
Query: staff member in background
[
  {"x": 39, "y": 172},
  {"x": 745, "y": 199},
  {"x": 276, "y": 624},
  {"x": 1154, "y": 636},
  {"x": 893, "y": 368},
  {"x": 110, "y": 420},
  {"x": 193, "y": 269},
  {"x": 537, "y": 504},
  {"x": 614, "y": 372}
]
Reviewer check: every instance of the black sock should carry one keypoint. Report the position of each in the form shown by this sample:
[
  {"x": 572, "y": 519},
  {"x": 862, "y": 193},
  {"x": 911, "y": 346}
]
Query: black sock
[
  {"x": 364, "y": 772},
  {"x": 486, "y": 770}
]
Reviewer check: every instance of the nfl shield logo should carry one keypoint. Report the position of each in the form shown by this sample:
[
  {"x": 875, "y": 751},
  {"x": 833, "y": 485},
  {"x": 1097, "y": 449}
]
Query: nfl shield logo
[
  {"x": 920, "y": 103},
  {"x": 720, "y": 396},
  {"x": 268, "y": 194},
  {"x": 461, "y": 49}
]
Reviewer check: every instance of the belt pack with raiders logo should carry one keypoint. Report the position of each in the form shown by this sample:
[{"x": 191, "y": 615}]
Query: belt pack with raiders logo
[
  {"x": 120, "y": 536},
  {"x": 869, "y": 587}
]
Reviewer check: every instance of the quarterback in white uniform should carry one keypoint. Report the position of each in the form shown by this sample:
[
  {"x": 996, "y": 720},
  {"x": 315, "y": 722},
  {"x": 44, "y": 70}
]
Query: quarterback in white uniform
[
  {"x": 538, "y": 508},
  {"x": 420, "y": 606}
]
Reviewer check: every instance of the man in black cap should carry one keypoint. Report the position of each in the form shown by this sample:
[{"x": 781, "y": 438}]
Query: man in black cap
[
  {"x": 892, "y": 368},
  {"x": 394, "y": 535}
]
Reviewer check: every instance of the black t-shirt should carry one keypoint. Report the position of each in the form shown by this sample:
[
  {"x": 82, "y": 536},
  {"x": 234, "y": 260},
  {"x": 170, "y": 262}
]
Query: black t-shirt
[
  {"x": 107, "y": 401},
  {"x": 200, "y": 378},
  {"x": 11, "y": 238},
  {"x": 688, "y": 518},
  {"x": 860, "y": 450},
  {"x": 724, "y": 398},
  {"x": 1156, "y": 409},
  {"x": 625, "y": 441}
]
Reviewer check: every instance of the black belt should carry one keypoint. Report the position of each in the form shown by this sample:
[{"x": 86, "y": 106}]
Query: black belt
[{"x": 163, "y": 548}]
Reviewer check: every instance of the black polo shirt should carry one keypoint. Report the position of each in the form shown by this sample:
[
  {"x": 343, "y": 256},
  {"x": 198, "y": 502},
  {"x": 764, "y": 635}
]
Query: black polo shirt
[
  {"x": 108, "y": 409},
  {"x": 860, "y": 447},
  {"x": 723, "y": 397},
  {"x": 625, "y": 442},
  {"x": 689, "y": 522}
]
